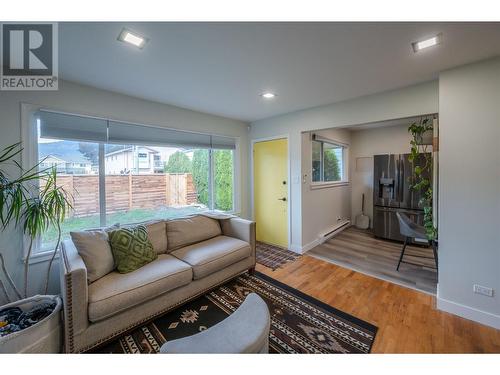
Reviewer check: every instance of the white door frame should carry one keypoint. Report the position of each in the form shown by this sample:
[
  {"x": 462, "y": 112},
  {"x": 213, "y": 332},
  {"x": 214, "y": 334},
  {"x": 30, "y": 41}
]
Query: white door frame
[{"x": 289, "y": 203}]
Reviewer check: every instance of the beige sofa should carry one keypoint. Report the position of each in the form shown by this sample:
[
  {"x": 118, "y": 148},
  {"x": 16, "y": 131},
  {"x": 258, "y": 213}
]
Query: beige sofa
[{"x": 195, "y": 255}]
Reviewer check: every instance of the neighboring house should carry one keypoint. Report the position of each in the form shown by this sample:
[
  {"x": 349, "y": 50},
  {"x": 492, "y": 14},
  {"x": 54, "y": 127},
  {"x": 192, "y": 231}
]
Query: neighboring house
[
  {"x": 135, "y": 159},
  {"x": 53, "y": 161},
  {"x": 78, "y": 167},
  {"x": 65, "y": 156},
  {"x": 76, "y": 164}
]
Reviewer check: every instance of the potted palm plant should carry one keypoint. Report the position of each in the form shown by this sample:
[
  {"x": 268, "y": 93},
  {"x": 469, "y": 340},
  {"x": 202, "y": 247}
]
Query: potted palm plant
[{"x": 33, "y": 201}]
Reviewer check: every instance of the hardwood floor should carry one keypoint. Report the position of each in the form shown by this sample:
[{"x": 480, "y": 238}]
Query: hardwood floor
[
  {"x": 408, "y": 321},
  {"x": 359, "y": 250}
]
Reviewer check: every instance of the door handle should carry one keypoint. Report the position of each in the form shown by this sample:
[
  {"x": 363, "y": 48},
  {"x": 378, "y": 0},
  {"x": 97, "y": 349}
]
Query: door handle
[{"x": 282, "y": 199}]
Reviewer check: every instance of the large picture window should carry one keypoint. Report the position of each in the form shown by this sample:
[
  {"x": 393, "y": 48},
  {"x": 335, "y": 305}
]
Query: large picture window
[
  {"x": 118, "y": 173},
  {"x": 328, "y": 161}
]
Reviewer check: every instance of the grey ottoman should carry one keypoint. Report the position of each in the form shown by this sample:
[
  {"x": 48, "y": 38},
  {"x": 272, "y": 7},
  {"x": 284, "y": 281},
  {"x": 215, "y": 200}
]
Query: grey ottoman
[{"x": 244, "y": 331}]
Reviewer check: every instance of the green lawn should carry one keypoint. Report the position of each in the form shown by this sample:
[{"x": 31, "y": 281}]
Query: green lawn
[{"x": 133, "y": 216}]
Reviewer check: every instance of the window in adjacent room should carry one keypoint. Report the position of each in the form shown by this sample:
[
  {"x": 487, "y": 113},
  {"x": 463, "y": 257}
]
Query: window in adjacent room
[{"x": 328, "y": 161}]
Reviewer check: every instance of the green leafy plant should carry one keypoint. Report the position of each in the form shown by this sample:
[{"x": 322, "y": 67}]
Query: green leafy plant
[
  {"x": 178, "y": 162},
  {"x": 23, "y": 203},
  {"x": 420, "y": 180},
  {"x": 223, "y": 180},
  {"x": 332, "y": 166},
  {"x": 12, "y": 197},
  {"x": 200, "y": 175},
  {"x": 58, "y": 204},
  {"x": 223, "y": 177}
]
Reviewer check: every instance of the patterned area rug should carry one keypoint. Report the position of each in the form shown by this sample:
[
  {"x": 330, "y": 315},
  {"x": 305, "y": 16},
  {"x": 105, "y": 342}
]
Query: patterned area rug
[
  {"x": 273, "y": 256},
  {"x": 299, "y": 323}
]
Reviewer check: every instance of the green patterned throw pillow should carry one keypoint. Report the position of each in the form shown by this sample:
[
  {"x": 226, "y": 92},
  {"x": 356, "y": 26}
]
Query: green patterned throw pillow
[{"x": 131, "y": 248}]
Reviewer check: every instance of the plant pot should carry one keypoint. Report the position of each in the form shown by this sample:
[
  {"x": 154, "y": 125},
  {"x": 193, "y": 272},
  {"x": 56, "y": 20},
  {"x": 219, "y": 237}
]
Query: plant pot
[{"x": 42, "y": 337}]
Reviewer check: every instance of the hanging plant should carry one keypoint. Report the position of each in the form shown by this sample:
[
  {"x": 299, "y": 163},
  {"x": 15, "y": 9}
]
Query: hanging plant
[{"x": 420, "y": 182}]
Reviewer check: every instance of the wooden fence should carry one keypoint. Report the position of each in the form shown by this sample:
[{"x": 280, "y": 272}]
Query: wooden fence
[{"x": 126, "y": 192}]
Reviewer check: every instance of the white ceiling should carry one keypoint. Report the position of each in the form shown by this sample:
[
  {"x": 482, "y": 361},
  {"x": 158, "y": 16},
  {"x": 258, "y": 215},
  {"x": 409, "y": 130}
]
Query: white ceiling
[{"x": 221, "y": 68}]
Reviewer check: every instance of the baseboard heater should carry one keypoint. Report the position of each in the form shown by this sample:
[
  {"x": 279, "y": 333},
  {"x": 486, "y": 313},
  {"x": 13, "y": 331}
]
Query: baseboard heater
[{"x": 344, "y": 224}]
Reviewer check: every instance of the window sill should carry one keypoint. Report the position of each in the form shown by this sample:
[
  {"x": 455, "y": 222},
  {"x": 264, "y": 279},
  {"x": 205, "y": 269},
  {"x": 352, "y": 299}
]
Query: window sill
[
  {"x": 327, "y": 185},
  {"x": 41, "y": 257}
]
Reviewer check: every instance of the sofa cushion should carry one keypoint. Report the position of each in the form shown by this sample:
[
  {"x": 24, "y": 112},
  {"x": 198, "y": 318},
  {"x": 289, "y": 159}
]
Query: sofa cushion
[
  {"x": 213, "y": 255},
  {"x": 157, "y": 234},
  {"x": 131, "y": 248},
  {"x": 117, "y": 292},
  {"x": 187, "y": 231},
  {"x": 93, "y": 246}
]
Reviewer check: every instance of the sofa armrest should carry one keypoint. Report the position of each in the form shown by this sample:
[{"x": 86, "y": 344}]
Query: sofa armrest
[
  {"x": 241, "y": 229},
  {"x": 74, "y": 292}
]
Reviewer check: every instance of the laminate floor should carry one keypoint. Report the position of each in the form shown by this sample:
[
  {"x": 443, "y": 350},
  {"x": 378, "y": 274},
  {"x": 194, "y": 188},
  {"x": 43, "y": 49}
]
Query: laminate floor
[{"x": 360, "y": 251}]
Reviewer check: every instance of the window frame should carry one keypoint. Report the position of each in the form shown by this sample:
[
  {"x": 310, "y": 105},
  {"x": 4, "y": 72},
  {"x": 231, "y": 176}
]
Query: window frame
[
  {"x": 29, "y": 157},
  {"x": 345, "y": 170}
]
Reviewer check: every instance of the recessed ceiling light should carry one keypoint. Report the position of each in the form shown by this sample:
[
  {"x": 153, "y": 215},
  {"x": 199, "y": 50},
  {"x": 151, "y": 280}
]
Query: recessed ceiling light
[
  {"x": 426, "y": 43},
  {"x": 135, "y": 39},
  {"x": 268, "y": 95}
]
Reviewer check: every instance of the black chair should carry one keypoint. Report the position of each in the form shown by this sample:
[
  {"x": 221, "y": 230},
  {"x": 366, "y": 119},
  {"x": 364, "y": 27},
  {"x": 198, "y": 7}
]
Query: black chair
[{"x": 410, "y": 230}]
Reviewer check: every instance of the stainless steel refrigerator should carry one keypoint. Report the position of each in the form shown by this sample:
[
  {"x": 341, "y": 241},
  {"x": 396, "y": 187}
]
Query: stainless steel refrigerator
[{"x": 393, "y": 175}]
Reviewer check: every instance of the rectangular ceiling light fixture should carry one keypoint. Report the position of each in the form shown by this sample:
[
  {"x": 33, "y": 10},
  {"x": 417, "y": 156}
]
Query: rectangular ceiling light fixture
[
  {"x": 135, "y": 39},
  {"x": 426, "y": 43}
]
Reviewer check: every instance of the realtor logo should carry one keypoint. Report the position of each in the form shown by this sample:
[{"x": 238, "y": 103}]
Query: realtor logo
[{"x": 29, "y": 56}]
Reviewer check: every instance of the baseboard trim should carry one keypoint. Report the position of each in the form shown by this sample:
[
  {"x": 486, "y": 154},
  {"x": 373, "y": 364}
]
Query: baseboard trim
[
  {"x": 333, "y": 231},
  {"x": 468, "y": 312},
  {"x": 302, "y": 249},
  {"x": 295, "y": 248},
  {"x": 318, "y": 241},
  {"x": 310, "y": 246}
]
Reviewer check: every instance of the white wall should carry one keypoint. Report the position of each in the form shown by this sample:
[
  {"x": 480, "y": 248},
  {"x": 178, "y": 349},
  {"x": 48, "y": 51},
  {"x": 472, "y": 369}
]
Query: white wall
[
  {"x": 364, "y": 144},
  {"x": 406, "y": 102},
  {"x": 469, "y": 190},
  {"x": 76, "y": 98},
  {"x": 323, "y": 206}
]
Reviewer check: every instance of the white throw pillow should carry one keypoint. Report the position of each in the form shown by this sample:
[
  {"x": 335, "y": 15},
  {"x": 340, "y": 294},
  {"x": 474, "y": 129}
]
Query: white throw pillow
[{"x": 93, "y": 247}]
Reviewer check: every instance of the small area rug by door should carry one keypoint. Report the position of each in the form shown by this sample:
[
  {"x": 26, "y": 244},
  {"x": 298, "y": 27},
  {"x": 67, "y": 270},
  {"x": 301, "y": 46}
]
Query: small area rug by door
[
  {"x": 273, "y": 256},
  {"x": 299, "y": 323}
]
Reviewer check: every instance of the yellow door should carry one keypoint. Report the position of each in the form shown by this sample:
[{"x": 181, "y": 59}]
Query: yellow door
[{"x": 271, "y": 191}]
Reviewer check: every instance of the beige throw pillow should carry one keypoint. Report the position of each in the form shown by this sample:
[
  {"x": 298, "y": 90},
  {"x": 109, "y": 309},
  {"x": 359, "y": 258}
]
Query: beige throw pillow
[
  {"x": 93, "y": 246},
  {"x": 157, "y": 233},
  {"x": 186, "y": 231}
]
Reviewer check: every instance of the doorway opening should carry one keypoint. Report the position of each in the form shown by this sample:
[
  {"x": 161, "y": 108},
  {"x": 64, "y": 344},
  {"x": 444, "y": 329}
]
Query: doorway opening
[{"x": 379, "y": 189}]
